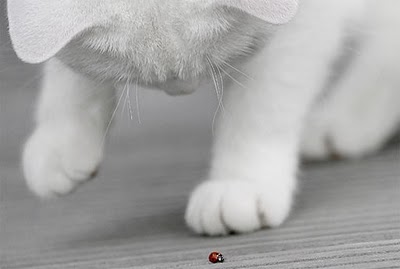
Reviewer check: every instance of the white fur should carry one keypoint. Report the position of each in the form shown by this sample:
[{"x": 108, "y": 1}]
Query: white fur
[
  {"x": 255, "y": 155},
  {"x": 269, "y": 113},
  {"x": 363, "y": 111},
  {"x": 66, "y": 148}
]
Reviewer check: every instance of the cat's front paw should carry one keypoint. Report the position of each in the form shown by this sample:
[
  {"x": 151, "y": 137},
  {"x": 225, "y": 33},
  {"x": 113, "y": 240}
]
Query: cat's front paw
[
  {"x": 58, "y": 157},
  {"x": 219, "y": 207}
]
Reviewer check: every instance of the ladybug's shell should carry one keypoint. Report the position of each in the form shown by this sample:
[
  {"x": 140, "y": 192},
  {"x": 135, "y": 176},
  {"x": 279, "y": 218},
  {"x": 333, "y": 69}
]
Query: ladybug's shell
[{"x": 215, "y": 257}]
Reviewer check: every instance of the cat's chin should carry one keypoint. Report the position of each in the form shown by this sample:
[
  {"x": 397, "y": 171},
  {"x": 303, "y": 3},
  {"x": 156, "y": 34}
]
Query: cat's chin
[
  {"x": 179, "y": 87},
  {"x": 173, "y": 87}
]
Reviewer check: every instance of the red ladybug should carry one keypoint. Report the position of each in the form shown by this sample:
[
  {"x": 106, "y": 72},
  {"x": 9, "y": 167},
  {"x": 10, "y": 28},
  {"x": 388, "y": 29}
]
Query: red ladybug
[{"x": 216, "y": 257}]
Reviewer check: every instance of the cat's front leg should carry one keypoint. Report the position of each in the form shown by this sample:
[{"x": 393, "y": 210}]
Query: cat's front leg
[
  {"x": 253, "y": 174},
  {"x": 66, "y": 147}
]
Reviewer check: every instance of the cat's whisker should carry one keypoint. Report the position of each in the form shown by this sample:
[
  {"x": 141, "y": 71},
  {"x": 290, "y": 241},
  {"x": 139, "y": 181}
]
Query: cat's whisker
[
  {"x": 128, "y": 98},
  {"x": 112, "y": 117},
  {"x": 137, "y": 102},
  {"x": 213, "y": 76},
  {"x": 216, "y": 91},
  {"x": 125, "y": 100},
  {"x": 129, "y": 102},
  {"x": 221, "y": 106},
  {"x": 237, "y": 70},
  {"x": 223, "y": 62},
  {"x": 221, "y": 103},
  {"x": 219, "y": 89},
  {"x": 235, "y": 80}
]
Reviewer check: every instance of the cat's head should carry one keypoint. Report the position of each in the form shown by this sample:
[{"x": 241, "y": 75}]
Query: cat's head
[{"x": 146, "y": 40}]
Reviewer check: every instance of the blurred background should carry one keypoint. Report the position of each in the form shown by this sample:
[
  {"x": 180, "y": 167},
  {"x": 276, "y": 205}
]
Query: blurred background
[{"x": 131, "y": 216}]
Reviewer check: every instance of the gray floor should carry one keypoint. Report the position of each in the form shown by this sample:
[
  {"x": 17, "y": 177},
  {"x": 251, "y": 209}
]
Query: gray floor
[{"x": 347, "y": 214}]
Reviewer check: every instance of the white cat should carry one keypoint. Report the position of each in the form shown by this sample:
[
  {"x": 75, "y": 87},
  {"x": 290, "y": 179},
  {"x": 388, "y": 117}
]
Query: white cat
[{"x": 282, "y": 54}]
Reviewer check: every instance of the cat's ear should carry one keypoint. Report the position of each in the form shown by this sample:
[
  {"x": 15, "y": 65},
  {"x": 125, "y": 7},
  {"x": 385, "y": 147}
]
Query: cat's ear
[
  {"x": 40, "y": 28},
  {"x": 272, "y": 11}
]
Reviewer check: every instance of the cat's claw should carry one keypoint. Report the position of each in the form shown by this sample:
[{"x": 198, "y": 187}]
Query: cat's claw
[
  {"x": 59, "y": 158},
  {"x": 220, "y": 207}
]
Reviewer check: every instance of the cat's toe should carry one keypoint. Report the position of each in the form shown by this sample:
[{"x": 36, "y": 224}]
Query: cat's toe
[
  {"x": 239, "y": 208},
  {"x": 221, "y": 207},
  {"x": 203, "y": 213}
]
